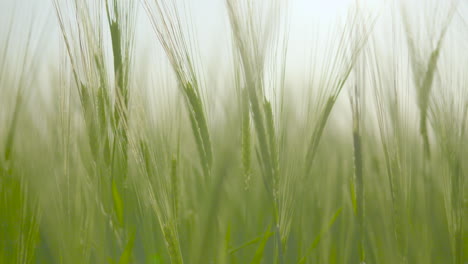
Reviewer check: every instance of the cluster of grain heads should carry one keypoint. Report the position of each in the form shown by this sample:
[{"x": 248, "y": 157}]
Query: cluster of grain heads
[
  {"x": 447, "y": 114},
  {"x": 424, "y": 54},
  {"x": 104, "y": 104},
  {"x": 159, "y": 190},
  {"x": 328, "y": 77},
  {"x": 256, "y": 44},
  {"x": 424, "y": 66},
  {"x": 392, "y": 122},
  {"x": 171, "y": 32},
  {"x": 121, "y": 17},
  {"x": 87, "y": 63},
  {"x": 357, "y": 101},
  {"x": 104, "y": 174},
  {"x": 332, "y": 76}
]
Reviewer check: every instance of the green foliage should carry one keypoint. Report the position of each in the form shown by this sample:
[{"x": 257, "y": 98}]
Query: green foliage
[{"x": 95, "y": 170}]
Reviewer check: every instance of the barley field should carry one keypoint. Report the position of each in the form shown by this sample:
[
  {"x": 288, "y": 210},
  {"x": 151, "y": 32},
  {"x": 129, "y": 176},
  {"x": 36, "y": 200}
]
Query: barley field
[{"x": 233, "y": 131}]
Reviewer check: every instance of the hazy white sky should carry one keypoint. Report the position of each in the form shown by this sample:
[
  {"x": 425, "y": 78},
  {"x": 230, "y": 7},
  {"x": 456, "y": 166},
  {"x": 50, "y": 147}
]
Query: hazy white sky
[
  {"x": 310, "y": 21},
  {"x": 209, "y": 16},
  {"x": 307, "y": 20}
]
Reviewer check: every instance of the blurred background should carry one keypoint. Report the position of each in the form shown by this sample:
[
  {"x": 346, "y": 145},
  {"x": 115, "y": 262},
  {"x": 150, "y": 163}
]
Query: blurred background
[{"x": 233, "y": 131}]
